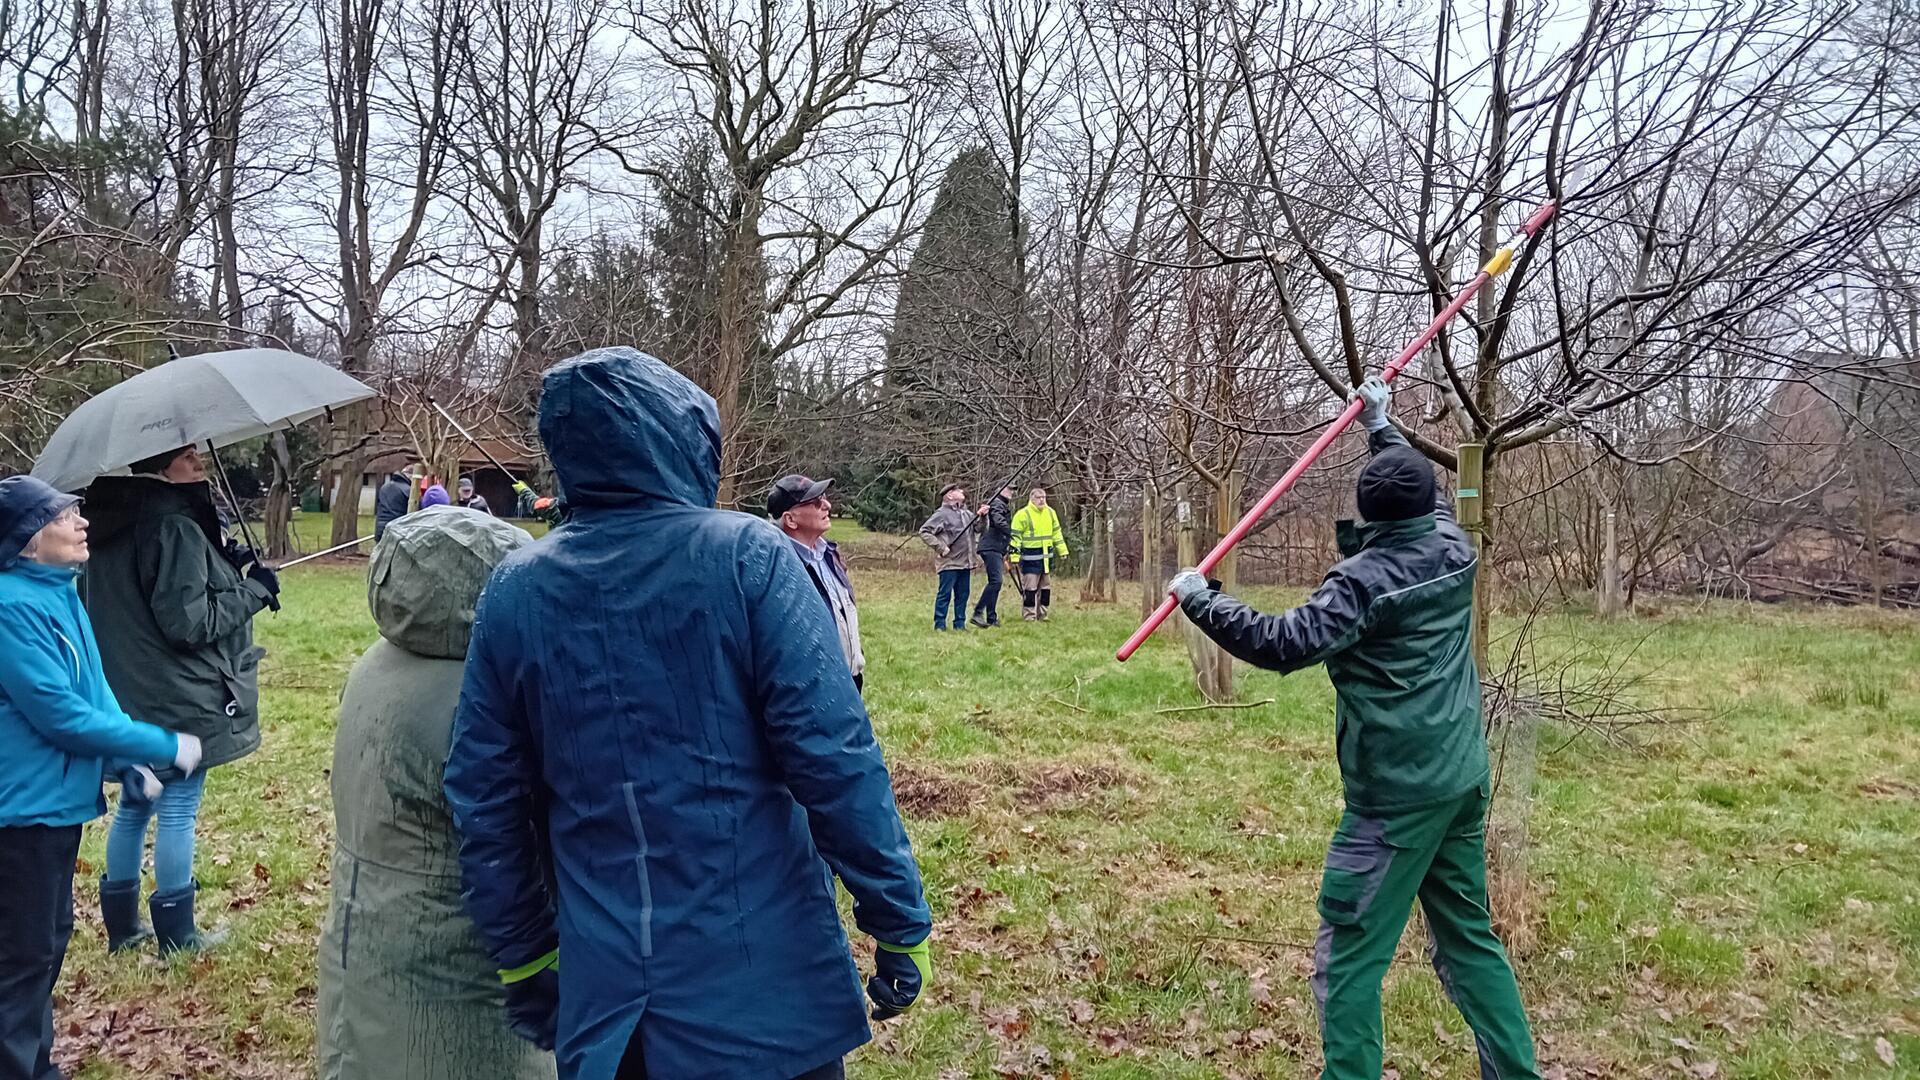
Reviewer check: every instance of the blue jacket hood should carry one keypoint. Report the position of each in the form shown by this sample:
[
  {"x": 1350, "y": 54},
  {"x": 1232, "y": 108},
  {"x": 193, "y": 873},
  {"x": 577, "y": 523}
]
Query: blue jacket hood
[{"x": 623, "y": 427}]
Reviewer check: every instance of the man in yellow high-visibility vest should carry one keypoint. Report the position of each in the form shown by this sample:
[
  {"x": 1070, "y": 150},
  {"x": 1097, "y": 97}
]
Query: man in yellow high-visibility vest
[{"x": 1037, "y": 538}]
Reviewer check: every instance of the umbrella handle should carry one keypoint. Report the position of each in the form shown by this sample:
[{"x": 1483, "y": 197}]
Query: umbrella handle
[{"x": 240, "y": 515}]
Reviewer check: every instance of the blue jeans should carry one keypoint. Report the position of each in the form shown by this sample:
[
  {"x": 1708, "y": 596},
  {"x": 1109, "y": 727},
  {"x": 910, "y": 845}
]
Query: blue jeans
[
  {"x": 954, "y": 584},
  {"x": 178, "y": 809}
]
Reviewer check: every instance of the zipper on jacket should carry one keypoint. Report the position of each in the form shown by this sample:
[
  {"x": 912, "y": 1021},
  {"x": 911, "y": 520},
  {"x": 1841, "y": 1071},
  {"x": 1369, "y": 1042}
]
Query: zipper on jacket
[
  {"x": 73, "y": 652},
  {"x": 640, "y": 865}
]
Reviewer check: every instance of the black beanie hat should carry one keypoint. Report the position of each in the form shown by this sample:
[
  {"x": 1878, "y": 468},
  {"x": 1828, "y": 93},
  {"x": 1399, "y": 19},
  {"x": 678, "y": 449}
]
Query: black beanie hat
[{"x": 1396, "y": 485}]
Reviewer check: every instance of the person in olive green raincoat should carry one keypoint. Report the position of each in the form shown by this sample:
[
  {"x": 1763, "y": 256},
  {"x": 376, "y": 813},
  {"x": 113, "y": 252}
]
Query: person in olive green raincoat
[
  {"x": 1393, "y": 623},
  {"x": 407, "y": 991}
]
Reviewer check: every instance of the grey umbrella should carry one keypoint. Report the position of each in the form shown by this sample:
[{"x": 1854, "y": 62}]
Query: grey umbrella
[{"x": 212, "y": 399}]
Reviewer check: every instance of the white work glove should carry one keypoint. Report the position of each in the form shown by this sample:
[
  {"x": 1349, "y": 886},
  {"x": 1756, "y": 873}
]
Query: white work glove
[
  {"x": 1375, "y": 393},
  {"x": 1186, "y": 583},
  {"x": 186, "y": 757}
]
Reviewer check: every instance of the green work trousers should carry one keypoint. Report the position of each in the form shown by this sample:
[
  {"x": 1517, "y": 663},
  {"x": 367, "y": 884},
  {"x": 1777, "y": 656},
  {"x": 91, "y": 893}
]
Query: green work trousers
[{"x": 1376, "y": 867}]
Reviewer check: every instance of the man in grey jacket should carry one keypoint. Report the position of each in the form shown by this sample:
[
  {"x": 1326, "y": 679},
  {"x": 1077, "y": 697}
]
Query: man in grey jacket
[{"x": 950, "y": 534}]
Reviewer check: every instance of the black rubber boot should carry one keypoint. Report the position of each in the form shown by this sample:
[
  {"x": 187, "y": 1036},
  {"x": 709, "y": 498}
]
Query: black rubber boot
[
  {"x": 120, "y": 911},
  {"x": 173, "y": 922}
]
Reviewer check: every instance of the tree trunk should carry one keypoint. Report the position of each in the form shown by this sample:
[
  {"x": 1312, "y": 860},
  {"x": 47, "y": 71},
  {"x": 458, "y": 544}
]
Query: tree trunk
[
  {"x": 279, "y": 512},
  {"x": 351, "y": 445},
  {"x": 1113, "y": 561},
  {"x": 740, "y": 300},
  {"x": 1870, "y": 529},
  {"x": 1610, "y": 602},
  {"x": 1150, "y": 583},
  {"x": 1470, "y": 509},
  {"x": 1099, "y": 554},
  {"x": 1213, "y": 667},
  {"x": 1211, "y": 677}
]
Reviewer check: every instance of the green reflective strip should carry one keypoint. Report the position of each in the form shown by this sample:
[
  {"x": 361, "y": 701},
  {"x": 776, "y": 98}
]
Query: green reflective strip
[
  {"x": 1467, "y": 493},
  {"x": 528, "y": 970}
]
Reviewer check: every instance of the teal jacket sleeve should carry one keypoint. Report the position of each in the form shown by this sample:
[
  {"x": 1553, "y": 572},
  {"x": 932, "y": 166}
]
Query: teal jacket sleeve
[
  {"x": 38, "y": 667},
  {"x": 823, "y": 743},
  {"x": 191, "y": 609}
]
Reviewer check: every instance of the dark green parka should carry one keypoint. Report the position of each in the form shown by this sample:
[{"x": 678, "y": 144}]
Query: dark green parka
[
  {"x": 174, "y": 617},
  {"x": 1393, "y": 622}
]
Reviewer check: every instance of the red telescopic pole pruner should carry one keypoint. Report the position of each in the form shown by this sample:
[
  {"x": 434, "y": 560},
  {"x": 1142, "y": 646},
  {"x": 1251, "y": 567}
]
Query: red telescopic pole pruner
[{"x": 1494, "y": 268}]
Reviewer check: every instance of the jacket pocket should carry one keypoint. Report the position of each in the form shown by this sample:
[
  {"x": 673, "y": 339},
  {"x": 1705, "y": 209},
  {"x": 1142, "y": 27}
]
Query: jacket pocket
[
  {"x": 242, "y": 683},
  {"x": 640, "y": 868}
]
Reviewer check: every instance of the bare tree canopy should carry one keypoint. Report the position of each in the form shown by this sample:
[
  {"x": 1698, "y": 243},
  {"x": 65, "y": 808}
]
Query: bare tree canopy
[{"x": 897, "y": 241}]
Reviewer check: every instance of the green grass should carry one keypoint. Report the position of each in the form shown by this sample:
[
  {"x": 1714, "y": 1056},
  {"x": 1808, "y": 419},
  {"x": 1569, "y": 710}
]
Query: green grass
[{"x": 1127, "y": 893}]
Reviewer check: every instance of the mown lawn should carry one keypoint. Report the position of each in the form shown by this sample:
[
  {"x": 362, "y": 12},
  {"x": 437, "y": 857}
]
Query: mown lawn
[{"x": 1126, "y": 892}]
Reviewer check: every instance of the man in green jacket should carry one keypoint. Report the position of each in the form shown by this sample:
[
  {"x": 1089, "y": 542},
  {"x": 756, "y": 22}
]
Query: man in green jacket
[{"x": 1393, "y": 623}]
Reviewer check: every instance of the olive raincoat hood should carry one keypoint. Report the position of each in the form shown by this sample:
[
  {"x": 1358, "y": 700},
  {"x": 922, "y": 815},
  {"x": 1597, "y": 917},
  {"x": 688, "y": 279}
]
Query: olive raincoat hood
[{"x": 425, "y": 578}]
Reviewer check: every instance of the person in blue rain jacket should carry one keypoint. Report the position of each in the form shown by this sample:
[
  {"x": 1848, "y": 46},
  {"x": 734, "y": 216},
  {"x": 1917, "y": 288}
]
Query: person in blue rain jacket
[
  {"x": 61, "y": 733},
  {"x": 660, "y": 763}
]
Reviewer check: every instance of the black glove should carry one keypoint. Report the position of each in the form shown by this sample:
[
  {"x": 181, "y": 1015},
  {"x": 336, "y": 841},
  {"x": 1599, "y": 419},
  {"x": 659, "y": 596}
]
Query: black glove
[
  {"x": 533, "y": 1007},
  {"x": 900, "y": 974},
  {"x": 268, "y": 580},
  {"x": 138, "y": 785},
  {"x": 239, "y": 554}
]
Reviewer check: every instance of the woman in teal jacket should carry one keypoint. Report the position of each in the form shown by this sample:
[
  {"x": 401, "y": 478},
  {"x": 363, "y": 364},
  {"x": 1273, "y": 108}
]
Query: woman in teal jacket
[{"x": 60, "y": 731}]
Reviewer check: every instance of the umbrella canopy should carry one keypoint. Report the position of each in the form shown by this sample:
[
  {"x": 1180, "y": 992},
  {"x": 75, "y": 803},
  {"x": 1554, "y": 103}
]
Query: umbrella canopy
[{"x": 212, "y": 399}]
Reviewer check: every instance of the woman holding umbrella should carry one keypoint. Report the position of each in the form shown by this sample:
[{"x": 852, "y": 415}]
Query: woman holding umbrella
[
  {"x": 168, "y": 598},
  {"x": 174, "y": 613},
  {"x": 61, "y": 731}
]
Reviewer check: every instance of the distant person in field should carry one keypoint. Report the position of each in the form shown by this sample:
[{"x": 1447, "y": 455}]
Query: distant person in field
[
  {"x": 406, "y": 987},
  {"x": 391, "y": 502},
  {"x": 659, "y": 766},
  {"x": 471, "y": 500},
  {"x": 799, "y": 505},
  {"x": 1393, "y": 623},
  {"x": 434, "y": 493},
  {"x": 951, "y": 535},
  {"x": 1037, "y": 538},
  {"x": 996, "y": 535}
]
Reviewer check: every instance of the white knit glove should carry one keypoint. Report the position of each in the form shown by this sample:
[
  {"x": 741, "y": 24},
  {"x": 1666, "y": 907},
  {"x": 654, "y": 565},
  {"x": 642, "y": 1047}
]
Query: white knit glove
[{"x": 186, "y": 757}]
